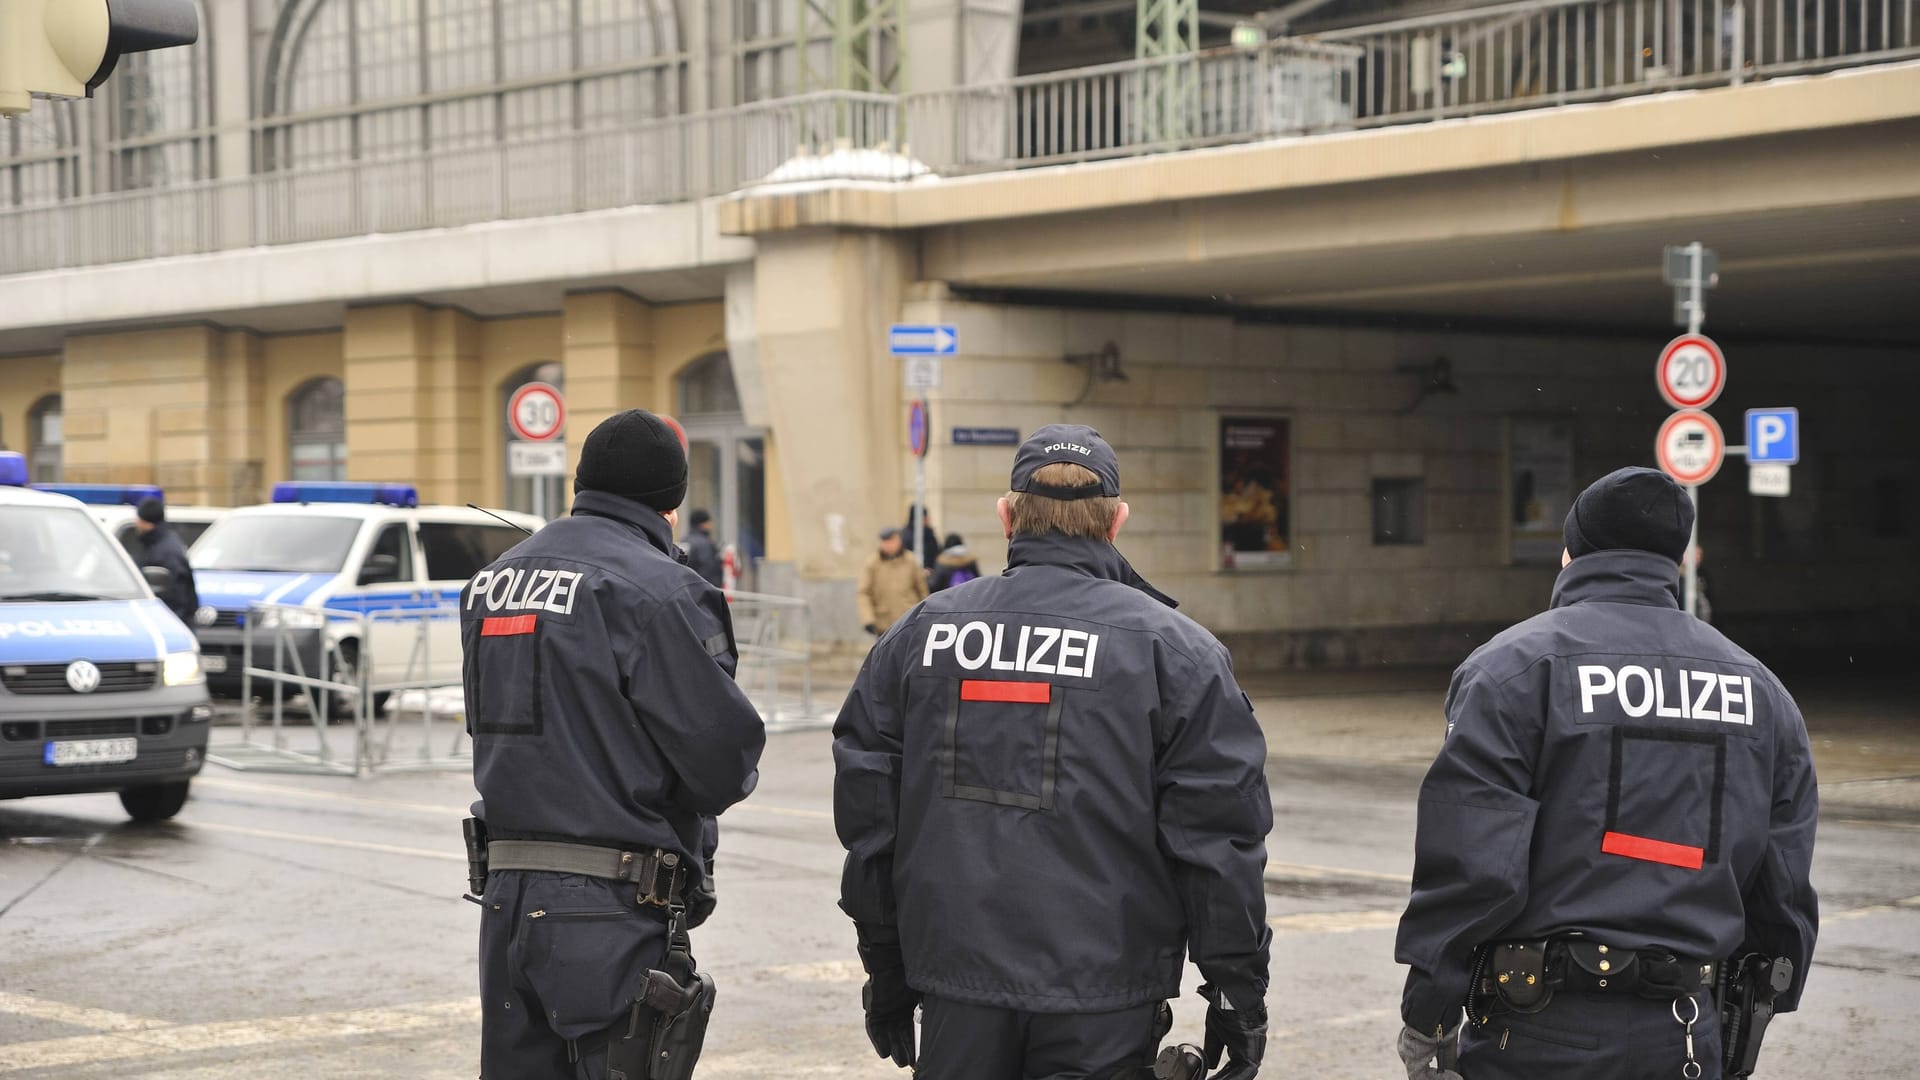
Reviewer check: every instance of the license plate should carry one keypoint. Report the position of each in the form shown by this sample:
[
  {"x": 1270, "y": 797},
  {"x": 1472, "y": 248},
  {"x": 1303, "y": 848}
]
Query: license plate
[
  {"x": 92, "y": 752},
  {"x": 213, "y": 665}
]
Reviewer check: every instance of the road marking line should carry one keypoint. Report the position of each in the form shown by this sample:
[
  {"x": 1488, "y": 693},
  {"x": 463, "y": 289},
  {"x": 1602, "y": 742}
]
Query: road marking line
[
  {"x": 1350, "y": 1019},
  {"x": 1312, "y": 872},
  {"x": 824, "y": 971},
  {"x": 1334, "y": 922},
  {"x": 436, "y": 809},
  {"x": 73, "y": 1015},
  {"x": 1907, "y": 904},
  {"x": 232, "y": 1034},
  {"x": 327, "y": 841}
]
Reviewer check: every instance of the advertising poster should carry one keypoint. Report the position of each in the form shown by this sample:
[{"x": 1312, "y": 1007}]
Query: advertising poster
[
  {"x": 1255, "y": 481},
  {"x": 1540, "y": 458}
]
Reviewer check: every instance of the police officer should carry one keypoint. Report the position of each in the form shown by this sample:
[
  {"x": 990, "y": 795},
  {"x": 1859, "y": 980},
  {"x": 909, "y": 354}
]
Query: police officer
[
  {"x": 160, "y": 546},
  {"x": 1050, "y": 788},
  {"x": 607, "y": 734},
  {"x": 1624, "y": 801}
]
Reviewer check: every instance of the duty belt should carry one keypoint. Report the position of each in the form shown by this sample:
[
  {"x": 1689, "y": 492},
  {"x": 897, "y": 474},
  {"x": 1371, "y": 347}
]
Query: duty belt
[
  {"x": 660, "y": 874},
  {"x": 1522, "y": 976}
]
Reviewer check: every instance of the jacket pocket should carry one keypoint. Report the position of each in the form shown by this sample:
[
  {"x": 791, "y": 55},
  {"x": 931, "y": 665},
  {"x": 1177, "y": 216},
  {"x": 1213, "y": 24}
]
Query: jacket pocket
[
  {"x": 582, "y": 953},
  {"x": 1001, "y": 742}
]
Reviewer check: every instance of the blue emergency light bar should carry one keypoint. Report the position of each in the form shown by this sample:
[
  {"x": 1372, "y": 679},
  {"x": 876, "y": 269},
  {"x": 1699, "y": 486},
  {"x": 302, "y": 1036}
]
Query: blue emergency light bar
[
  {"x": 106, "y": 494},
  {"x": 308, "y": 491},
  {"x": 13, "y": 469}
]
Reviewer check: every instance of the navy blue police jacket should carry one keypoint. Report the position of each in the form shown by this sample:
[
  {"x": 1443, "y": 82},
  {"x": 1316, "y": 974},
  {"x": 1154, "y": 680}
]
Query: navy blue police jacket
[
  {"x": 1050, "y": 786},
  {"x": 599, "y": 687},
  {"x": 1614, "y": 768}
]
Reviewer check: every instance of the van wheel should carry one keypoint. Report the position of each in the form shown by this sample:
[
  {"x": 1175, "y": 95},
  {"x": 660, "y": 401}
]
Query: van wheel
[
  {"x": 346, "y": 669},
  {"x": 154, "y": 802}
]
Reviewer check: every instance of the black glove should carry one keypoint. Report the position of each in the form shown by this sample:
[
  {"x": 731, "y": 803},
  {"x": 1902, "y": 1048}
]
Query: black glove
[
  {"x": 888, "y": 999},
  {"x": 1238, "y": 1031}
]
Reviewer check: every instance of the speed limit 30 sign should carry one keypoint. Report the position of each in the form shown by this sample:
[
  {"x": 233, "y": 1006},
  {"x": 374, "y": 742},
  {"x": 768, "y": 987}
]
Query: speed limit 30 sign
[
  {"x": 1692, "y": 371},
  {"x": 536, "y": 412}
]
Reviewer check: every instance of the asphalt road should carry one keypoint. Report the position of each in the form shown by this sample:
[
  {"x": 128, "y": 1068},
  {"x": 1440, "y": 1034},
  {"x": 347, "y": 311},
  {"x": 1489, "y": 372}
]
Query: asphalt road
[{"x": 313, "y": 926}]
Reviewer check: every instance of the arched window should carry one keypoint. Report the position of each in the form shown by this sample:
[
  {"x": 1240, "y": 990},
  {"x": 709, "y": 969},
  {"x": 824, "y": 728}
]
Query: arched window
[
  {"x": 45, "y": 439},
  {"x": 707, "y": 388},
  {"x": 348, "y": 58},
  {"x": 317, "y": 430},
  {"x": 543, "y": 495}
]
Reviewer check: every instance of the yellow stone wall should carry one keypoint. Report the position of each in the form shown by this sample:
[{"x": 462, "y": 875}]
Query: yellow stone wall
[
  {"x": 508, "y": 347},
  {"x": 413, "y": 399}
]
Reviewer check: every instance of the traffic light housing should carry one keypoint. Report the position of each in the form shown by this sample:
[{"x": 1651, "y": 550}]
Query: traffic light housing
[{"x": 67, "y": 48}]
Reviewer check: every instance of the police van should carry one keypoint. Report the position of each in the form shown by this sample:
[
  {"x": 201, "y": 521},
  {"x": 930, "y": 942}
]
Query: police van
[
  {"x": 321, "y": 551},
  {"x": 100, "y": 686},
  {"x": 116, "y": 506}
]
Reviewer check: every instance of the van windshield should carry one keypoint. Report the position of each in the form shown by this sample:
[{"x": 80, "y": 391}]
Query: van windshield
[
  {"x": 53, "y": 553},
  {"x": 280, "y": 543}
]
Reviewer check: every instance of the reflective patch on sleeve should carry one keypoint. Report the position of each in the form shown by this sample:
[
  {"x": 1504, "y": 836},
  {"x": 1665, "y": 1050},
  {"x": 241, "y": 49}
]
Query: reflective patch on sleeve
[
  {"x": 508, "y": 625},
  {"x": 717, "y": 645},
  {"x": 1683, "y": 856},
  {"x": 1027, "y": 693}
]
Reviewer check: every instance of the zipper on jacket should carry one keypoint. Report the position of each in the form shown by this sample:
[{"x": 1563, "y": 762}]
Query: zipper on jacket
[{"x": 543, "y": 913}]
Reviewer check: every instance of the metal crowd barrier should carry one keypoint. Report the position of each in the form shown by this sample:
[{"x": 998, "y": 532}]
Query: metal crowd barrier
[
  {"x": 772, "y": 634},
  {"x": 298, "y": 655}
]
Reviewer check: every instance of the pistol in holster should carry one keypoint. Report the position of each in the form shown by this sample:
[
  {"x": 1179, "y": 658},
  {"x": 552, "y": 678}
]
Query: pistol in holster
[
  {"x": 1749, "y": 986},
  {"x": 475, "y": 832},
  {"x": 667, "y": 1026},
  {"x": 1182, "y": 1062}
]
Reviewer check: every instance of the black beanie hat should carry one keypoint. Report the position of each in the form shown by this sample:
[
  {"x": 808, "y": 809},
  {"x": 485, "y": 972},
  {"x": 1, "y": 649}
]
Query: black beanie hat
[
  {"x": 151, "y": 510},
  {"x": 1632, "y": 509},
  {"x": 637, "y": 455}
]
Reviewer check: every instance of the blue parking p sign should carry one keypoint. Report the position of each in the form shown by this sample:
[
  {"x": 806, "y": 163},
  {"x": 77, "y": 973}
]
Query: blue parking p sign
[{"x": 1773, "y": 436}]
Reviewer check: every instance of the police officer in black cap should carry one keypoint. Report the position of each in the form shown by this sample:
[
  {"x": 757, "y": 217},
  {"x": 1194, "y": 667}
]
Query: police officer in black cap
[
  {"x": 160, "y": 546},
  {"x": 1624, "y": 805},
  {"x": 1050, "y": 789},
  {"x": 608, "y": 733}
]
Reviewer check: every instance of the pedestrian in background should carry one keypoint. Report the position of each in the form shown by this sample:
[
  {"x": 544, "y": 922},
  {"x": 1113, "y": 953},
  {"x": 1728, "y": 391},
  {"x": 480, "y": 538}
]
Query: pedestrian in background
[
  {"x": 1051, "y": 791},
  {"x": 160, "y": 546},
  {"x": 926, "y": 547},
  {"x": 956, "y": 565},
  {"x": 890, "y": 584},
  {"x": 608, "y": 734},
  {"x": 1625, "y": 802},
  {"x": 703, "y": 555}
]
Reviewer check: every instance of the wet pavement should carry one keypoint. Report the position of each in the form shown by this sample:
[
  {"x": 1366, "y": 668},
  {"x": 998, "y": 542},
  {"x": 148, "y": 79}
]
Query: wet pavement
[{"x": 312, "y": 925}]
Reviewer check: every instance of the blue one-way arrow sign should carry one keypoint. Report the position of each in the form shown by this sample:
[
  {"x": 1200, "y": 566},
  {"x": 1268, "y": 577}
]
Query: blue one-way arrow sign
[{"x": 910, "y": 339}]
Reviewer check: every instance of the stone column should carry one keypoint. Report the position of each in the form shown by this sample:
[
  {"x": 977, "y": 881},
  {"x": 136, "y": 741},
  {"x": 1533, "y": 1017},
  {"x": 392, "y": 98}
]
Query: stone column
[
  {"x": 414, "y": 399},
  {"x": 608, "y": 352}
]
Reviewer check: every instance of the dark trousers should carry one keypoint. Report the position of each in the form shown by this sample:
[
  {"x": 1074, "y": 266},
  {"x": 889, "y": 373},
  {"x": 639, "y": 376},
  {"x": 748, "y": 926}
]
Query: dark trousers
[
  {"x": 975, "y": 1042},
  {"x": 1593, "y": 1037},
  {"x": 561, "y": 957}
]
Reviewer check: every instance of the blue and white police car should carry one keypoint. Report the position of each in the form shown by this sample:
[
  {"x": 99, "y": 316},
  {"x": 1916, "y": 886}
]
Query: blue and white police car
[
  {"x": 100, "y": 686},
  {"x": 320, "y": 554},
  {"x": 114, "y": 506}
]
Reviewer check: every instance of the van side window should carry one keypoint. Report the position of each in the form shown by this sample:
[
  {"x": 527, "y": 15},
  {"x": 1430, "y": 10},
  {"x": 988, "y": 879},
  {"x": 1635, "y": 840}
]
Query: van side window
[
  {"x": 391, "y": 559},
  {"x": 457, "y": 552}
]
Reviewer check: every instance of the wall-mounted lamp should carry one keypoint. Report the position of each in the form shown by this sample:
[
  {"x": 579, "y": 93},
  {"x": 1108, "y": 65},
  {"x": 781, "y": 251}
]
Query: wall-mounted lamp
[
  {"x": 1102, "y": 366},
  {"x": 1435, "y": 378}
]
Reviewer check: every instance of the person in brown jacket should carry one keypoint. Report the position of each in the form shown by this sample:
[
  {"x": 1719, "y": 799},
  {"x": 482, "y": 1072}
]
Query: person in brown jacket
[{"x": 889, "y": 584}]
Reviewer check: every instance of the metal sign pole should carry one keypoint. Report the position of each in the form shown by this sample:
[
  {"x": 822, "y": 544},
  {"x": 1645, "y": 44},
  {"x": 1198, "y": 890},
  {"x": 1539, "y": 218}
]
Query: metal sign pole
[{"x": 1696, "y": 315}]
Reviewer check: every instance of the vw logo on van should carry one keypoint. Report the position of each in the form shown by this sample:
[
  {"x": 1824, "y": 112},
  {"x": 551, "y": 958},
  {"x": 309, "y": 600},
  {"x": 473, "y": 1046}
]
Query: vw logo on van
[
  {"x": 83, "y": 676},
  {"x": 205, "y": 616}
]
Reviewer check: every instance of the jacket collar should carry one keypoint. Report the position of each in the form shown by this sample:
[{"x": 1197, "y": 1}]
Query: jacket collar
[
  {"x": 1094, "y": 558},
  {"x": 1619, "y": 577},
  {"x": 649, "y": 521}
]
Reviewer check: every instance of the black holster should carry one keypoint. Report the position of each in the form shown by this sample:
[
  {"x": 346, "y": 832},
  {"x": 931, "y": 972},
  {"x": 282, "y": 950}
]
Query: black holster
[
  {"x": 1748, "y": 987},
  {"x": 1182, "y": 1062},
  {"x": 668, "y": 1024},
  {"x": 475, "y": 832}
]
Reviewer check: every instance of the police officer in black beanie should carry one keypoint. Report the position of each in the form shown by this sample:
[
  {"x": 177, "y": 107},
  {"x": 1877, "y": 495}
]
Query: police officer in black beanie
[
  {"x": 1624, "y": 805},
  {"x": 608, "y": 735}
]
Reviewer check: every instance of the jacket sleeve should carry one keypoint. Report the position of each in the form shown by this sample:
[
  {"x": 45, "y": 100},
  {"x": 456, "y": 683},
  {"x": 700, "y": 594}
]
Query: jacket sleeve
[
  {"x": 679, "y": 680},
  {"x": 1782, "y": 911},
  {"x": 864, "y": 594},
  {"x": 1471, "y": 848},
  {"x": 866, "y": 789},
  {"x": 1214, "y": 816}
]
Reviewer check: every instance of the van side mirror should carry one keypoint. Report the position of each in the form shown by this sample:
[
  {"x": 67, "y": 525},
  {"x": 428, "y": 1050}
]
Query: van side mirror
[
  {"x": 159, "y": 578},
  {"x": 379, "y": 569}
]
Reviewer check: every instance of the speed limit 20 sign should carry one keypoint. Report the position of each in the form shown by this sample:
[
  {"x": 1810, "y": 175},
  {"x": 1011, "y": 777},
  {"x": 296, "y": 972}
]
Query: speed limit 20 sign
[
  {"x": 1692, "y": 371},
  {"x": 536, "y": 412}
]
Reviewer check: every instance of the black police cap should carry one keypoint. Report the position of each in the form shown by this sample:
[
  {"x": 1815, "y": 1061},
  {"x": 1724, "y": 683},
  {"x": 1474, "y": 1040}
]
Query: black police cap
[{"x": 1073, "y": 444}]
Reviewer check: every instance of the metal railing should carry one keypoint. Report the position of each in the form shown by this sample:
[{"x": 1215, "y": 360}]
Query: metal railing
[
  {"x": 1528, "y": 54},
  {"x": 774, "y": 633},
  {"x": 1541, "y": 53}
]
